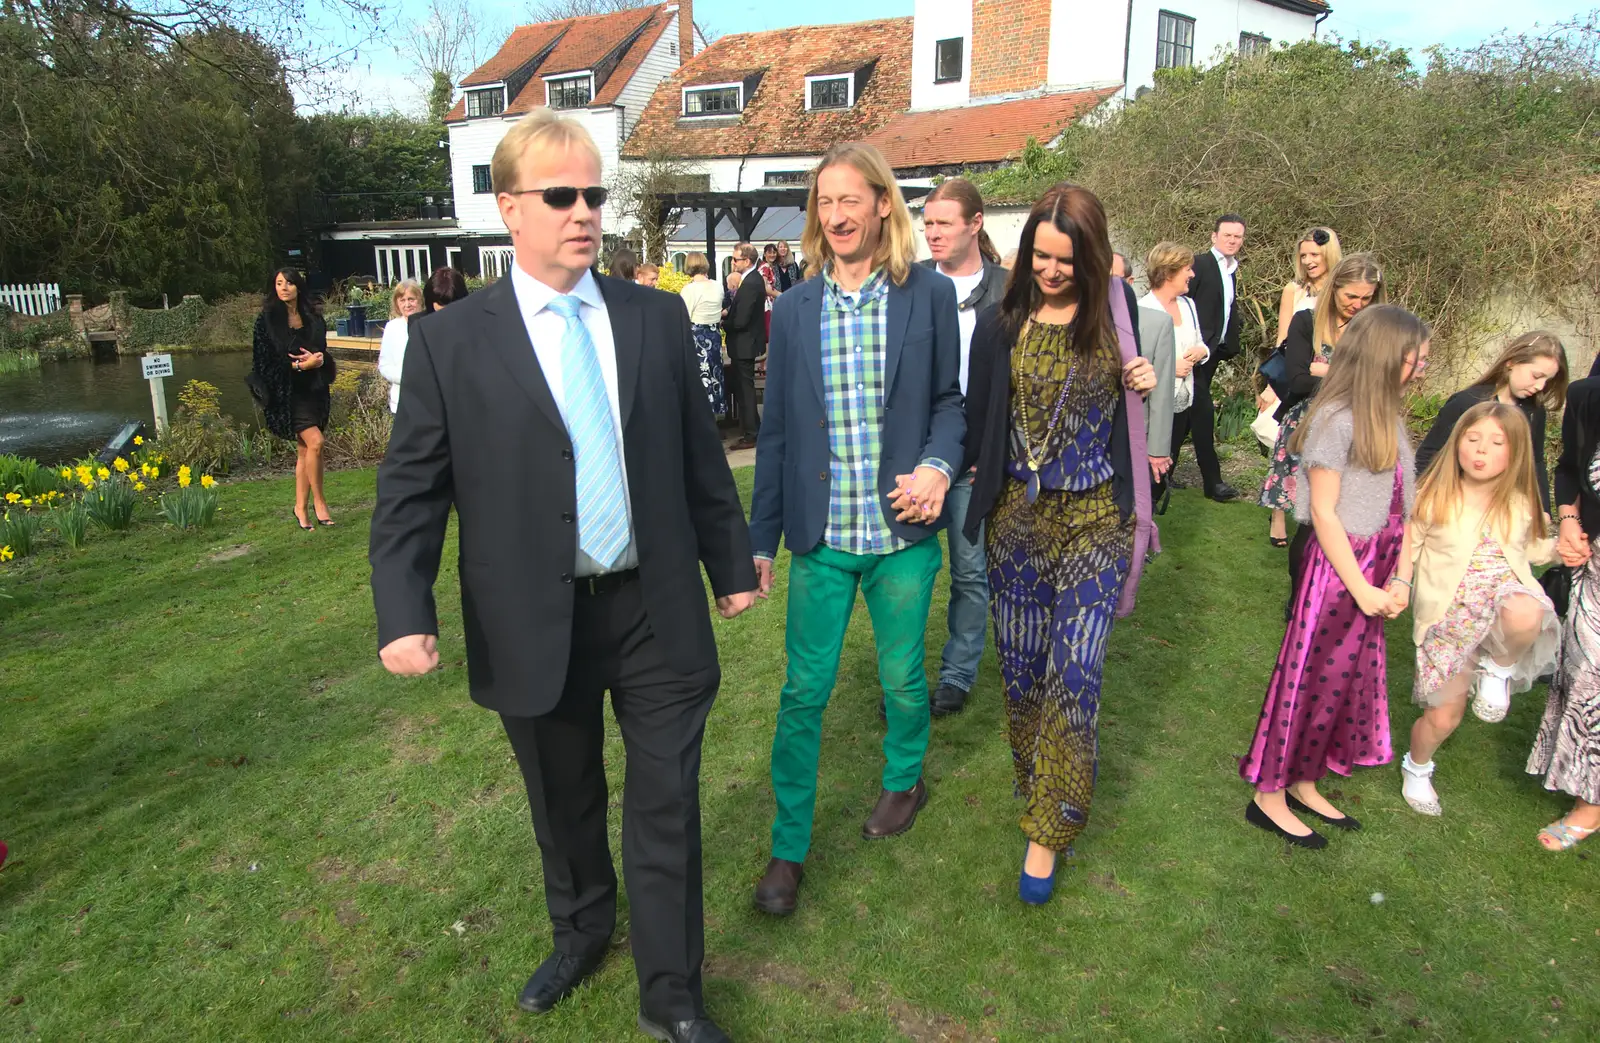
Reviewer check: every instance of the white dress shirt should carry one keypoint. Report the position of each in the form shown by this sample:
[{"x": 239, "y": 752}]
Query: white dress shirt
[
  {"x": 546, "y": 329},
  {"x": 1229, "y": 265}
]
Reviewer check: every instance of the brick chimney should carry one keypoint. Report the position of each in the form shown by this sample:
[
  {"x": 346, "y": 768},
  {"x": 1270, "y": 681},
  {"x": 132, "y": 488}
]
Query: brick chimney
[
  {"x": 685, "y": 30},
  {"x": 1010, "y": 45}
]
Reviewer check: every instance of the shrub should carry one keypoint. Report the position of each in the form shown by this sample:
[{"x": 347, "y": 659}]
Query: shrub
[
  {"x": 190, "y": 506},
  {"x": 110, "y": 501},
  {"x": 201, "y": 436},
  {"x": 671, "y": 279},
  {"x": 72, "y": 522},
  {"x": 201, "y": 398},
  {"x": 18, "y": 529},
  {"x": 24, "y": 476},
  {"x": 230, "y": 323},
  {"x": 359, "y": 432}
]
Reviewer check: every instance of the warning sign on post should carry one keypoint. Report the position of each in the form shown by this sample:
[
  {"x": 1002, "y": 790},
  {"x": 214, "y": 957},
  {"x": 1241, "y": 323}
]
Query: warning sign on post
[{"x": 156, "y": 366}]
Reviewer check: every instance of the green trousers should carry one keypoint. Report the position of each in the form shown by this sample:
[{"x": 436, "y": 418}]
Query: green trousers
[{"x": 822, "y": 595}]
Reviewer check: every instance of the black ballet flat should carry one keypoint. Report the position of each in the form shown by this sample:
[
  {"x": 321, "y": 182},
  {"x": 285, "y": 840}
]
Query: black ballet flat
[
  {"x": 1258, "y": 818},
  {"x": 1346, "y": 823}
]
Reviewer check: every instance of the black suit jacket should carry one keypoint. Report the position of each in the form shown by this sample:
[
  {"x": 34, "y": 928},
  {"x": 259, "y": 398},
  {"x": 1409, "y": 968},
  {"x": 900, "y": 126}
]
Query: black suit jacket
[
  {"x": 1220, "y": 332},
  {"x": 479, "y": 429},
  {"x": 747, "y": 320}
]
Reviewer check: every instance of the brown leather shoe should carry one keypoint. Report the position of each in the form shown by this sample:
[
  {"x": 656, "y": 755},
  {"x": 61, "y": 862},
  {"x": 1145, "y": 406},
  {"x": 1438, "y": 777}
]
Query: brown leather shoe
[
  {"x": 895, "y": 813},
  {"x": 779, "y": 890}
]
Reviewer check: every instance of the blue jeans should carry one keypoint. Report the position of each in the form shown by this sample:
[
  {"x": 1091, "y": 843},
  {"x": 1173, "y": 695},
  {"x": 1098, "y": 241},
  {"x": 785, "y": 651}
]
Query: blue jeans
[{"x": 969, "y": 594}]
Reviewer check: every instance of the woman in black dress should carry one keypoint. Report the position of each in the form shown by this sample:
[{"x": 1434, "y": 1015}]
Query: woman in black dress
[{"x": 292, "y": 361}]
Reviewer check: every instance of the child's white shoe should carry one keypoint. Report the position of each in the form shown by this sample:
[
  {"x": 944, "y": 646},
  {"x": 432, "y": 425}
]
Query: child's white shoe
[
  {"x": 1416, "y": 785},
  {"x": 1494, "y": 692}
]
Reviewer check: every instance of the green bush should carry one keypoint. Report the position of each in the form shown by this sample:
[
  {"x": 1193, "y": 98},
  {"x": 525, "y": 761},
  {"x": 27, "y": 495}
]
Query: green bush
[
  {"x": 147, "y": 327},
  {"x": 359, "y": 432},
  {"x": 48, "y": 337},
  {"x": 17, "y": 361},
  {"x": 72, "y": 522},
  {"x": 190, "y": 507},
  {"x": 20, "y": 474},
  {"x": 230, "y": 322},
  {"x": 200, "y": 436},
  {"x": 18, "y": 529},
  {"x": 111, "y": 502}
]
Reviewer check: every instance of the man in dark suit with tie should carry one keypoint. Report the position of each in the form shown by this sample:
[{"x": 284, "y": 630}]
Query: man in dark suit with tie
[
  {"x": 562, "y": 414},
  {"x": 1214, "y": 292},
  {"x": 747, "y": 340}
]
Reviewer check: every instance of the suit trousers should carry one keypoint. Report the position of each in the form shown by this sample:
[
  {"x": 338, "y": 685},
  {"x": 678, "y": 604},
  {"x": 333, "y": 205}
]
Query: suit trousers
[
  {"x": 1199, "y": 421},
  {"x": 744, "y": 396},
  {"x": 661, "y": 714}
]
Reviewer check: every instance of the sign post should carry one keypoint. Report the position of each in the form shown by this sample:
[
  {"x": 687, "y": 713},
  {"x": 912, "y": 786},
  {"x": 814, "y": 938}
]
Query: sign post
[{"x": 155, "y": 368}]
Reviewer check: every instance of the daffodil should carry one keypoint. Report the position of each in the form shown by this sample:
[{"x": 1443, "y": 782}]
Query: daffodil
[
  {"x": 138, "y": 439},
  {"x": 206, "y": 481},
  {"x": 120, "y": 464},
  {"x": 6, "y": 553},
  {"x": 183, "y": 472},
  {"x": 27, "y": 503},
  {"x": 66, "y": 472},
  {"x": 155, "y": 472},
  {"x": 138, "y": 487},
  {"x": 102, "y": 473},
  {"x": 144, "y": 469},
  {"x": 13, "y": 497},
  {"x": 183, "y": 481}
]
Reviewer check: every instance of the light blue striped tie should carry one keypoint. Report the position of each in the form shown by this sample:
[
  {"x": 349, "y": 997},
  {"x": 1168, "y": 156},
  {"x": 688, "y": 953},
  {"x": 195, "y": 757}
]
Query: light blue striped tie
[{"x": 602, "y": 505}]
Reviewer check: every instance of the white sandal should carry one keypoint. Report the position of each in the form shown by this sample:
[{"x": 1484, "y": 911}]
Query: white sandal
[
  {"x": 1416, "y": 786},
  {"x": 1494, "y": 692}
]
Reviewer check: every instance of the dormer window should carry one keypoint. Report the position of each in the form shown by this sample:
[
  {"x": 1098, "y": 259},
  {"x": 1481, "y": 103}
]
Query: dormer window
[
  {"x": 947, "y": 60},
  {"x": 569, "y": 92},
  {"x": 830, "y": 92},
  {"x": 487, "y": 102},
  {"x": 717, "y": 99}
]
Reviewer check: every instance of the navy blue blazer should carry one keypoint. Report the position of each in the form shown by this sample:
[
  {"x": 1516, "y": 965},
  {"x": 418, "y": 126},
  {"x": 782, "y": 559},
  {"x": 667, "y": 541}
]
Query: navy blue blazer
[{"x": 922, "y": 413}]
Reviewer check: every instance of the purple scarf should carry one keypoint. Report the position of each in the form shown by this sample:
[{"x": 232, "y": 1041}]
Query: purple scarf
[{"x": 1146, "y": 538}]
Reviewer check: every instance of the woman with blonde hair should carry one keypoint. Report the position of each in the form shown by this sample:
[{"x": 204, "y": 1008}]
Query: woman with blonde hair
[
  {"x": 1170, "y": 268},
  {"x": 404, "y": 301},
  {"x": 1316, "y": 255},
  {"x": 703, "y": 298},
  {"x": 1531, "y": 374},
  {"x": 1356, "y": 283}
]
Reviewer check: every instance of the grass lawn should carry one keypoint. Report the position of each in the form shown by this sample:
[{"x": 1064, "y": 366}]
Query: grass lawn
[{"x": 227, "y": 822}]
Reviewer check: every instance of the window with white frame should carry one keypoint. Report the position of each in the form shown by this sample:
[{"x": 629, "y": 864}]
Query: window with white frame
[
  {"x": 482, "y": 180},
  {"x": 722, "y": 99},
  {"x": 494, "y": 262},
  {"x": 570, "y": 92},
  {"x": 786, "y": 179},
  {"x": 947, "y": 60},
  {"x": 398, "y": 263},
  {"x": 830, "y": 92},
  {"x": 489, "y": 102},
  {"x": 1174, "y": 41},
  {"x": 1252, "y": 44}
]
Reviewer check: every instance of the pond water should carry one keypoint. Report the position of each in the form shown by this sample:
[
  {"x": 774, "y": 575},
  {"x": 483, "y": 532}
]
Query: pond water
[{"x": 66, "y": 410}]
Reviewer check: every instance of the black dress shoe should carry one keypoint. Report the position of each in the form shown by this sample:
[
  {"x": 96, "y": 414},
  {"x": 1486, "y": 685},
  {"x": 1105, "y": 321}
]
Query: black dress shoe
[
  {"x": 1261, "y": 820},
  {"x": 1344, "y": 822},
  {"x": 556, "y": 978},
  {"x": 778, "y": 891},
  {"x": 895, "y": 812},
  {"x": 947, "y": 699},
  {"x": 695, "y": 1030},
  {"x": 1222, "y": 492}
]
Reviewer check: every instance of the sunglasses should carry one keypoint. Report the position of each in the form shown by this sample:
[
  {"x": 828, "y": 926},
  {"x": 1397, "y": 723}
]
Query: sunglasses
[
  {"x": 564, "y": 197},
  {"x": 1319, "y": 236}
]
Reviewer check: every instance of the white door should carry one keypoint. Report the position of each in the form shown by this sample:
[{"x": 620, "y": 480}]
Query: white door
[
  {"x": 495, "y": 262},
  {"x": 398, "y": 263}
]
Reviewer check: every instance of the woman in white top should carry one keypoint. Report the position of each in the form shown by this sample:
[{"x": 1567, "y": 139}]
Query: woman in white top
[
  {"x": 404, "y": 302},
  {"x": 1315, "y": 255},
  {"x": 1170, "y": 267},
  {"x": 703, "y": 298}
]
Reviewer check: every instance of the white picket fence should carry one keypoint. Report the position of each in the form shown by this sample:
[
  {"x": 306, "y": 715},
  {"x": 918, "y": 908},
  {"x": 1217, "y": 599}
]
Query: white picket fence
[{"x": 37, "y": 299}]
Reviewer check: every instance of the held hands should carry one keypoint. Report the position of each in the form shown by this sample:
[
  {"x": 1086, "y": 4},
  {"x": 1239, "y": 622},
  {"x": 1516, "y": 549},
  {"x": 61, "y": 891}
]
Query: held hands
[
  {"x": 410, "y": 656},
  {"x": 730, "y": 605},
  {"x": 1374, "y": 601},
  {"x": 1138, "y": 375},
  {"x": 1573, "y": 546},
  {"x": 919, "y": 496},
  {"x": 763, "y": 578},
  {"x": 1401, "y": 593}
]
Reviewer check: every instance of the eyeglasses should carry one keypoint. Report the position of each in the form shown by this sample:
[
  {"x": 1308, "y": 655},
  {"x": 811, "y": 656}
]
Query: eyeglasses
[
  {"x": 564, "y": 197},
  {"x": 1319, "y": 236},
  {"x": 1417, "y": 365}
]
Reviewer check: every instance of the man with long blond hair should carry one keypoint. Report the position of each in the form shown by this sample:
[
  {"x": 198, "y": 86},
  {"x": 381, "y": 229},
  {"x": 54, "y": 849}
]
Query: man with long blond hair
[{"x": 862, "y": 432}]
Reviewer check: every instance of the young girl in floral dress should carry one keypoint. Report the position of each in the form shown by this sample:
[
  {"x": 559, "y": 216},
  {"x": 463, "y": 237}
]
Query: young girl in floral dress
[
  {"x": 1327, "y": 704},
  {"x": 1477, "y": 612}
]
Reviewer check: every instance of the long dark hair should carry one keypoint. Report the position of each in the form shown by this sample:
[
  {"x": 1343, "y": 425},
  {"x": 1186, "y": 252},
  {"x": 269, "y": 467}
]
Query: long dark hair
[
  {"x": 1076, "y": 213},
  {"x": 1539, "y": 344},
  {"x": 273, "y": 308},
  {"x": 444, "y": 286}
]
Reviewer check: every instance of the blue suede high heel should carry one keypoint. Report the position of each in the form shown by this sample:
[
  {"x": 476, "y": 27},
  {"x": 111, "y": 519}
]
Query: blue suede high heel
[{"x": 1035, "y": 890}]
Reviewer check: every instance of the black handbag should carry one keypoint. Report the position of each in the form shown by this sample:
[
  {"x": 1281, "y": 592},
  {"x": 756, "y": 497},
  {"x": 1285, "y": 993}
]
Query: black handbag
[
  {"x": 1557, "y": 584},
  {"x": 1276, "y": 372}
]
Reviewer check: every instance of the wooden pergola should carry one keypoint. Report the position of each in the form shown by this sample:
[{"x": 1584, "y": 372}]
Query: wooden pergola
[{"x": 744, "y": 209}]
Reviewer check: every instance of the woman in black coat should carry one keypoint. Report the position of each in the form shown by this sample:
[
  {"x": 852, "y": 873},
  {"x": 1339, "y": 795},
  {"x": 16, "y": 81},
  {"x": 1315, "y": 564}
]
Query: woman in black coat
[{"x": 292, "y": 362}]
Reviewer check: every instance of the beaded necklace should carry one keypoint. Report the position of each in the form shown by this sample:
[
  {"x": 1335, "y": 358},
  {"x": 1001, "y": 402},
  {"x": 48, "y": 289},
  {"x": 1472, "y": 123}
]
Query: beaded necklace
[{"x": 1029, "y": 456}]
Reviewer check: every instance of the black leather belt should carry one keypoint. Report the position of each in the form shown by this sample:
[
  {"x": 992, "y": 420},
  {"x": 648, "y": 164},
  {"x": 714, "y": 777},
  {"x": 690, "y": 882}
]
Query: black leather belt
[{"x": 609, "y": 583}]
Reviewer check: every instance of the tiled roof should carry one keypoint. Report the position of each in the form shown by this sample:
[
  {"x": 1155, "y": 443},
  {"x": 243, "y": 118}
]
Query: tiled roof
[
  {"x": 584, "y": 42},
  {"x": 702, "y": 77},
  {"x": 775, "y": 120},
  {"x": 835, "y": 69},
  {"x": 980, "y": 133}
]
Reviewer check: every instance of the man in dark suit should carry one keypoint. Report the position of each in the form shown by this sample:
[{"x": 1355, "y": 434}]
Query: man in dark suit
[
  {"x": 747, "y": 340},
  {"x": 862, "y": 436},
  {"x": 1214, "y": 292},
  {"x": 561, "y": 413}
]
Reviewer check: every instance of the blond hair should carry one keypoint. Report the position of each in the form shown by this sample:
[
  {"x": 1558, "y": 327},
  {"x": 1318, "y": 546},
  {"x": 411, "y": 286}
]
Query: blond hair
[
  {"x": 1439, "y": 496},
  {"x": 1332, "y": 254},
  {"x": 404, "y": 288},
  {"x": 897, "y": 246},
  {"x": 696, "y": 264},
  {"x": 1165, "y": 261},
  {"x": 1364, "y": 377},
  {"x": 1353, "y": 269},
  {"x": 542, "y": 128}
]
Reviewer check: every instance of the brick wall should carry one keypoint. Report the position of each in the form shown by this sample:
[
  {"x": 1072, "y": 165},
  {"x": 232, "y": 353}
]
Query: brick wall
[{"x": 1010, "y": 45}]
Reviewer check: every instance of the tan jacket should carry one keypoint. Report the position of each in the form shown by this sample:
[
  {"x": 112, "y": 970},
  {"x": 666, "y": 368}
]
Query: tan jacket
[{"x": 1442, "y": 554}]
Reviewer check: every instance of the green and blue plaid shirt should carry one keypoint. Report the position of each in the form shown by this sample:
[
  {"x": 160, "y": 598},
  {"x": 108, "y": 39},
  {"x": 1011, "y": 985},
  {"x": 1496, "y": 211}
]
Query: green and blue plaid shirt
[{"x": 855, "y": 336}]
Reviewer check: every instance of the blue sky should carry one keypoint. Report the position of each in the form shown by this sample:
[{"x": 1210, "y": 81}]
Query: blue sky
[{"x": 383, "y": 81}]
